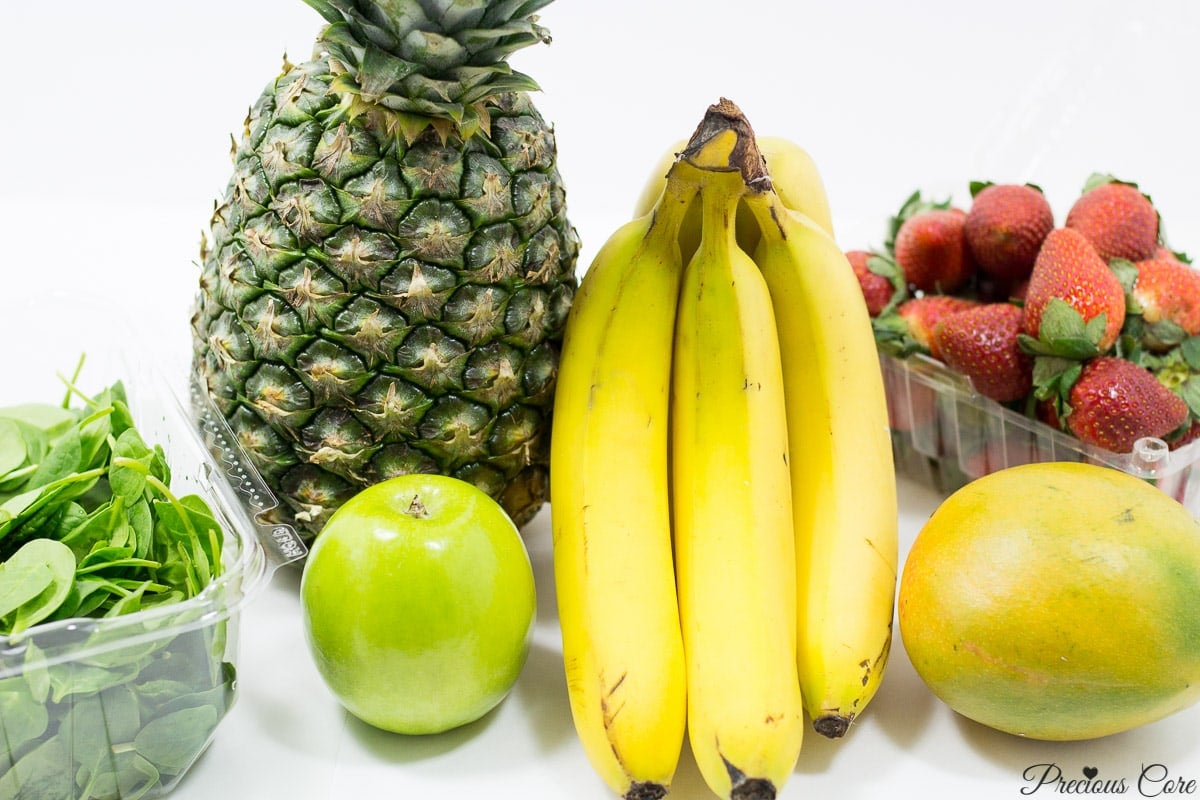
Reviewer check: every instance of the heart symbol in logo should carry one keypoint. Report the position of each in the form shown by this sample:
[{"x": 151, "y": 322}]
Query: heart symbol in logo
[{"x": 1090, "y": 772}]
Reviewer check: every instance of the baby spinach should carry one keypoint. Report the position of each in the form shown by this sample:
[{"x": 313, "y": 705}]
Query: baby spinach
[{"x": 90, "y": 528}]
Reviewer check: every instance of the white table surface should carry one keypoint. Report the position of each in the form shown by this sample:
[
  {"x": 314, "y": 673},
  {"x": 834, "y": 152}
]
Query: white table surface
[{"x": 115, "y": 135}]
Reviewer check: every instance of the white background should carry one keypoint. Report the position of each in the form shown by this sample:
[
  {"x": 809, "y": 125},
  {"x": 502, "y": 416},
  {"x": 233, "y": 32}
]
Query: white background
[{"x": 114, "y": 141}]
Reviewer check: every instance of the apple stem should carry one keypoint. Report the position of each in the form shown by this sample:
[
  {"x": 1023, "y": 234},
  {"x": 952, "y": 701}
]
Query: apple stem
[{"x": 417, "y": 508}]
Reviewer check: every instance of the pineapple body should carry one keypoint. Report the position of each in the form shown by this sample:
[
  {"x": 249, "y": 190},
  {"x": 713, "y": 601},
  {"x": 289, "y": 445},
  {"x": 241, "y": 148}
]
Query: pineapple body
[{"x": 374, "y": 303}]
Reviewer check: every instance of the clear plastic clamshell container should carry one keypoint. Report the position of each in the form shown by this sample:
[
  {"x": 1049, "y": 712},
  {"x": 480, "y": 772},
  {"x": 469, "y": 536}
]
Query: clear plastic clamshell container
[
  {"x": 945, "y": 434},
  {"x": 121, "y": 707}
]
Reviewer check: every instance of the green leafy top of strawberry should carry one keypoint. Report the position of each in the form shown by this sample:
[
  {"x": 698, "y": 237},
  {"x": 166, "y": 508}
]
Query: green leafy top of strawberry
[
  {"x": 915, "y": 204},
  {"x": 975, "y": 187},
  {"x": 1064, "y": 333},
  {"x": 1068, "y": 269}
]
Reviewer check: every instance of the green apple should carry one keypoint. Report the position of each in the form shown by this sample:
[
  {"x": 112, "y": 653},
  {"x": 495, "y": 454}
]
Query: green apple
[{"x": 418, "y": 602}]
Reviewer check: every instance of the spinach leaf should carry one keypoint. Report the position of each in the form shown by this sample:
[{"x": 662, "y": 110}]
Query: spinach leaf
[
  {"x": 89, "y": 527},
  {"x": 13, "y": 452},
  {"x": 58, "y": 562},
  {"x": 173, "y": 741},
  {"x": 38, "y": 774}
]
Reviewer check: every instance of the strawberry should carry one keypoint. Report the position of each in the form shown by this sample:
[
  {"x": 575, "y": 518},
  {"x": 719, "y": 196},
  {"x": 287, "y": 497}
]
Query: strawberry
[
  {"x": 1115, "y": 402},
  {"x": 930, "y": 249},
  {"x": 981, "y": 343},
  {"x": 1187, "y": 437},
  {"x": 1166, "y": 254},
  {"x": 1005, "y": 227},
  {"x": 1069, "y": 269},
  {"x": 878, "y": 290},
  {"x": 1117, "y": 219},
  {"x": 922, "y": 314},
  {"x": 1168, "y": 290}
]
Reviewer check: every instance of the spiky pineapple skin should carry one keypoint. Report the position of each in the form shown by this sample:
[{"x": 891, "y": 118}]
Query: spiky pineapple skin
[{"x": 370, "y": 306}]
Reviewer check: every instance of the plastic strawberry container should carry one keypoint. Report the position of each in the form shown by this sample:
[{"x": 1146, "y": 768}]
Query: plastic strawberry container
[
  {"x": 945, "y": 434},
  {"x": 122, "y": 707}
]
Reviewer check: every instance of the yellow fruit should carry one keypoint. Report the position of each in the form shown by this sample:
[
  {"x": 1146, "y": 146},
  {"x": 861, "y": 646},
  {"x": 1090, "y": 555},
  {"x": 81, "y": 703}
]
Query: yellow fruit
[{"x": 1056, "y": 601}]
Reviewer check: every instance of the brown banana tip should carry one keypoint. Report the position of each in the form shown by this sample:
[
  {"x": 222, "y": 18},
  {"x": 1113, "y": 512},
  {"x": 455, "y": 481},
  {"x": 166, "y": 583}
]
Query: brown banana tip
[
  {"x": 645, "y": 790},
  {"x": 722, "y": 116},
  {"x": 753, "y": 789},
  {"x": 832, "y": 726}
]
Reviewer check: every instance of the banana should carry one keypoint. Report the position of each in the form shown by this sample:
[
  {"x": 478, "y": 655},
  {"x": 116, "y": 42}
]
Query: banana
[
  {"x": 731, "y": 506},
  {"x": 793, "y": 172},
  {"x": 842, "y": 474},
  {"x": 610, "y": 516}
]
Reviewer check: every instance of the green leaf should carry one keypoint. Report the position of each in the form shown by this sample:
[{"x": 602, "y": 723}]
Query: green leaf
[
  {"x": 102, "y": 556},
  {"x": 97, "y": 527},
  {"x": 22, "y": 717},
  {"x": 1063, "y": 333},
  {"x": 39, "y": 773},
  {"x": 62, "y": 460},
  {"x": 1099, "y": 179},
  {"x": 141, "y": 522},
  {"x": 67, "y": 680},
  {"x": 1190, "y": 350},
  {"x": 130, "y": 603},
  {"x": 1060, "y": 320},
  {"x": 174, "y": 741},
  {"x": 1095, "y": 328},
  {"x": 978, "y": 186},
  {"x": 22, "y": 584},
  {"x": 13, "y": 453},
  {"x": 1163, "y": 333},
  {"x": 52, "y": 420},
  {"x": 1048, "y": 369},
  {"x": 58, "y": 559},
  {"x": 913, "y": 205},
  {"x": 94, "y": 433},
  {"x": 1127, "y": 273},
  {"x": 1080, "y": 349},
  {"x": 1189, "y": 390}
]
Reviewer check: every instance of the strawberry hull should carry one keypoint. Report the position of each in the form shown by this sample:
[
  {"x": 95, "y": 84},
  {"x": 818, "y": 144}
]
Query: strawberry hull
[{"x": 945, "y": 434}]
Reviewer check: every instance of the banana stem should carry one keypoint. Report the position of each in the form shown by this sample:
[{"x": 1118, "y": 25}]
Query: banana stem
[{"x": 725, "y": 122}]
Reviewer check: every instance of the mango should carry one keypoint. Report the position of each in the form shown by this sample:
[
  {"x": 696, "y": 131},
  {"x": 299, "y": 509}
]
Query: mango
[{"x": 1056, "y": 601}]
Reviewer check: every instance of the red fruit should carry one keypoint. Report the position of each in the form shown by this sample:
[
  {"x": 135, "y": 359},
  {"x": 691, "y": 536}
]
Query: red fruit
[
  {"x": 981, "y": 343},
  {"x": 932, "y": 252},
  {"x": 1005, "y": 227},
  {"x": 1115, "y": 402},
  {"x": 1166, "y": 254},
  {"x": 1170, "y": 290},
  {"x": 1067, "y": 267},
  {"x": 922, "y": 314},
  {"x": 877, "y": 290},
  {"x": 1118, "y": 220},
  {"x": 1188, "y": 436}
]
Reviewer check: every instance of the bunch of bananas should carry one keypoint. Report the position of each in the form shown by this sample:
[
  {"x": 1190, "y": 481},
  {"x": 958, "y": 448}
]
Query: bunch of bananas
[{"x": 722, "y": 493}]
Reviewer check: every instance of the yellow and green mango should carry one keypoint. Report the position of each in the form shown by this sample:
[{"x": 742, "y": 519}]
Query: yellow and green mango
[{"x": 1056, "y": 601}]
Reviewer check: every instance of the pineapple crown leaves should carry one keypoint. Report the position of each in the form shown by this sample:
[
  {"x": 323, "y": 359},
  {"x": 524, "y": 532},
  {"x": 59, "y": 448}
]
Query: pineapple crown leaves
[{"x": 429, "y": 60}]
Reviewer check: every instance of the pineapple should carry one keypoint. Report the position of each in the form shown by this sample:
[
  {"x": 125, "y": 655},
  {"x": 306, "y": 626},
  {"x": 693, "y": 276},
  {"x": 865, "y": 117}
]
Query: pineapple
[{"x": 385, "y": 282}]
